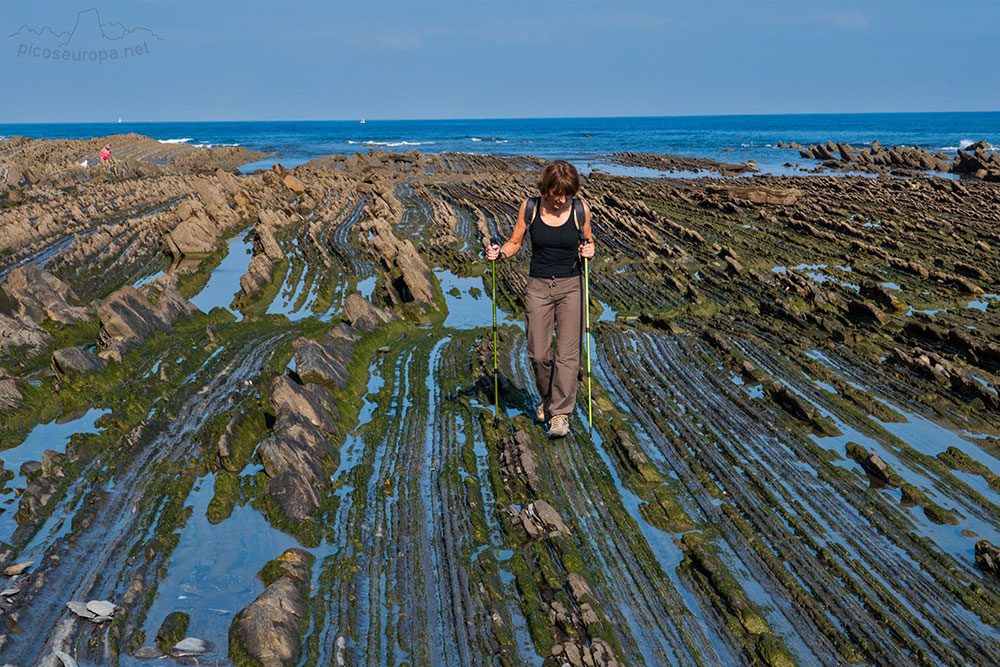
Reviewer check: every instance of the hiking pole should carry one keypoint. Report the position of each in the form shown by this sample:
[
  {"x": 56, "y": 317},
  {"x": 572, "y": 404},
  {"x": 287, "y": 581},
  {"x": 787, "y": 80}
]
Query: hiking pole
[
  {"x": 586, "y": 310},
  {"x": 496, "y": 382}
]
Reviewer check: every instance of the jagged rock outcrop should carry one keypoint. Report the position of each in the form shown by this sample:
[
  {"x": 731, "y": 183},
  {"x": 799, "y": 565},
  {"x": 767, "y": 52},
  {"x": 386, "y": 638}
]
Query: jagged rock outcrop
[
  {"x": 266, "y": 253},
  {"x": 32, "y": 293},
  {"x": 296, "y": 453},
  {"x": 29, "y": 297},
  {"x": 976, "y": 160},
  {"x": 326, "y": 362},
  {"x": 10, "y": 395},
  {"x": 407, "y": 277},
  {"x": 933, "y": 365},
  {"x": 267, "y": 632},
  {"x": 128, "y": 317},
  {"x": 195, "y": 235},
  {"x": 17, "y": 334},
  {"x": 27, "y": 163}
]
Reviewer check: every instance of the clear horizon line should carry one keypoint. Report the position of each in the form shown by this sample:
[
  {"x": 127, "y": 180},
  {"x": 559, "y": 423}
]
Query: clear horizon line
[{"x": 410, "y": 120}]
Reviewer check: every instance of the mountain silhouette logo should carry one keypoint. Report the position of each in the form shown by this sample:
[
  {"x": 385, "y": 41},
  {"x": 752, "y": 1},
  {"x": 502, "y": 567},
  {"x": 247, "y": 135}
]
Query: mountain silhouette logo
[
  {"x": 88, "y": 25},
  {"x": 89, "y": 39}
]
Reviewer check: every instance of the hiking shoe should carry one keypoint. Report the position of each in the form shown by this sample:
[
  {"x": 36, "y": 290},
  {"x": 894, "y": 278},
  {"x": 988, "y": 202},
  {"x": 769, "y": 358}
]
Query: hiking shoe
[
  {"x": 558, "y": 426},
  {"x": 540, "y": 413}
]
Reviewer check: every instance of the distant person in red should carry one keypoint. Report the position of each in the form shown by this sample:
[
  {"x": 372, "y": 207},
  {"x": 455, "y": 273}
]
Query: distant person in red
[{"x": 106, "y": 153}]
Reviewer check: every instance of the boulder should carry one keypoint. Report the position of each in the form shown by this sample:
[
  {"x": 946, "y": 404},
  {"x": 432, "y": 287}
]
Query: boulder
[
  {"x": 268, "y": 630},
  {"x": 363, "y": 315},
  {"x": 74, "y": 362},
  {"x": 191, "y": 646},
  {"x": 547, "y": 517},
  {"x": 18, "y": 568},
  {"x": 195, "y": 235},
  {"x": 172, "y": 630},
  {"x": 988, "y": 557},
  {"x": 258, "y": 274}
]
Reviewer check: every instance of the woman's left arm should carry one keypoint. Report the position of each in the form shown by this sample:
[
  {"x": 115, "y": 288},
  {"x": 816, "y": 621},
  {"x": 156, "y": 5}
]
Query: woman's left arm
[{"x": 587, "y": 250}]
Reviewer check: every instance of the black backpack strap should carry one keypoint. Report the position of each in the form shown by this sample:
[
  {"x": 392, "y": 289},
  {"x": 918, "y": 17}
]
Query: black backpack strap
[
  {"x": 529, "y": 211},
  {"x": 579, "y": 217}
]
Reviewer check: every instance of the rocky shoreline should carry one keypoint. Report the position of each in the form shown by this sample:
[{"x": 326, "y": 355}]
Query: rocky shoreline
[
  {"x": 791, "y": 461},
  {"x": 978, "y": 160}
]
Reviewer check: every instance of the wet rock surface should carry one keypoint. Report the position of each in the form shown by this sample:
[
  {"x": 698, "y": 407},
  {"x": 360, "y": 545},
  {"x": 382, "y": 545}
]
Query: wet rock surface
[
  {"x": 267, "y": 631},
  {"x": 792, "y": 457}
]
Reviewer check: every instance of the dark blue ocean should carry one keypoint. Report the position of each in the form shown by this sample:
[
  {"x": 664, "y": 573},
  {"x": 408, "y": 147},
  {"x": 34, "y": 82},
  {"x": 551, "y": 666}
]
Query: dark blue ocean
[{"x": 581, "y": 140}]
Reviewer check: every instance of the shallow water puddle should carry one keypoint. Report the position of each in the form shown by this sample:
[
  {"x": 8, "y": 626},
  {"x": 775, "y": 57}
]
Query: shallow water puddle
[
  {"x": 290, "y": 300},
  {"x": 469, "y": 305},
  {"x": 212, "y": 572},
  {"x": 54, "y": 435},
  {"x": 608, "y": 314},
  {"x": 224, "y": 283},
  {"x": 366, "y": 286}
]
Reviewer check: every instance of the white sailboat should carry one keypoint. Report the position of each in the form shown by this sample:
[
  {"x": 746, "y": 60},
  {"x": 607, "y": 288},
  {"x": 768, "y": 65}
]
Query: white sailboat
[
  {"x": 119, "y": 119},
  {"x": 362, "y": 121}
]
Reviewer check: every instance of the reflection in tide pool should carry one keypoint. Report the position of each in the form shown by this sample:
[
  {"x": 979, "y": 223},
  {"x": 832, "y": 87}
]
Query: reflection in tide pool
[
  {"x": 608, "y": 314},
  {"x": 212, "y": 573},
  {"x": 55, "y": 436},
  {"x": 225, "y": 280},
  {"x": 366, "y": 287},
  {"x": 470, "y": 306}
]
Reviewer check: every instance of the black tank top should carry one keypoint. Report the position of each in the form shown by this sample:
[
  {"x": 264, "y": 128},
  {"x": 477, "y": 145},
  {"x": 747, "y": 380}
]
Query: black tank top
[{"x": 554, "y": 250}]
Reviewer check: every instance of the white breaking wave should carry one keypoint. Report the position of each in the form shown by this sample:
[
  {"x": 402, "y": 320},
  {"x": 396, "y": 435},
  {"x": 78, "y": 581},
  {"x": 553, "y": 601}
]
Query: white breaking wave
[
  {"x": 398, "y": 143},
  {"x": 175, "y": 141},
  {"x": 962, "y": 145},
  {"x": 212, "y": 145},
  {"x": 493, "y": 140},
  {"x": 351, "y": 141}
]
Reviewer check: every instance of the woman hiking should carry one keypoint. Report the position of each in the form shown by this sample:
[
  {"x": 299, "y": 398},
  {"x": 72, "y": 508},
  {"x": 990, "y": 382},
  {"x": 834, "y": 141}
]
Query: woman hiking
[{"x": 559, "y": 227}]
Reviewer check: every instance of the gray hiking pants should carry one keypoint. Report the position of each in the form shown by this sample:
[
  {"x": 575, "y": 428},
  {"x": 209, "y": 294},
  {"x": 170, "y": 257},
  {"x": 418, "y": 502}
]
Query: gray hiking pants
[{"x": 553, "y": 304}]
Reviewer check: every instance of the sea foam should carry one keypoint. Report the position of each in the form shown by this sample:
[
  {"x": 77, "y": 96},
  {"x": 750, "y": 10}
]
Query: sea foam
[
  {"x": 398, "y": 143},
  {"x": 175, "y": 141}
]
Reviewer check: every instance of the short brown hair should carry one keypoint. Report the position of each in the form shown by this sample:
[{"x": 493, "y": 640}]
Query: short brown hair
[{"x": 559, "y": 178}]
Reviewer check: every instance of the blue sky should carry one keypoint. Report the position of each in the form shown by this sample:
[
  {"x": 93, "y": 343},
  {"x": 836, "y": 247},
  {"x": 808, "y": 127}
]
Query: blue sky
[{"x": 396, "y": 59}]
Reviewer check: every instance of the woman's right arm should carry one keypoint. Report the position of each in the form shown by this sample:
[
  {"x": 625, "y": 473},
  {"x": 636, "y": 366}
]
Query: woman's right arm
[{"x": 513, "y": 244}]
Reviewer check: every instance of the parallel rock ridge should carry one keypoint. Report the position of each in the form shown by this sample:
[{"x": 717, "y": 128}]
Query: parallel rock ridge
[{"x": 792, "y": 457}]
